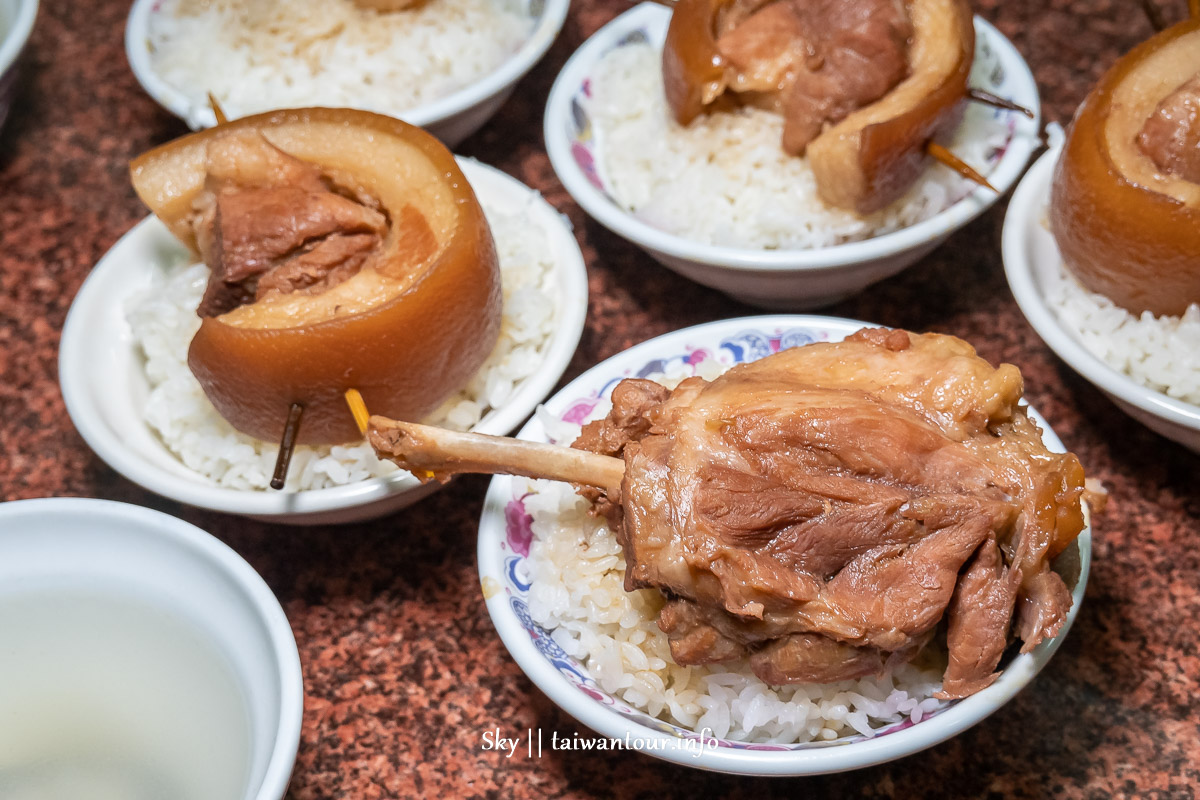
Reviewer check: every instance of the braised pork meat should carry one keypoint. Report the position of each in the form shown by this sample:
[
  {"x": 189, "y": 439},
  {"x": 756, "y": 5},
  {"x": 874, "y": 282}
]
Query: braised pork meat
[
  {"x": 814, "y": 61},
  {"x": 271, "y": 223},
  {"x": 822, "y": 510},
  {"x": 1171, "y": 136}
]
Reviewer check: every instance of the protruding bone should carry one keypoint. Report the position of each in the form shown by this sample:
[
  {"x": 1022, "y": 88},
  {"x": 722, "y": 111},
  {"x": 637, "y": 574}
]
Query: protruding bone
[{"x": 438, "y": 454}]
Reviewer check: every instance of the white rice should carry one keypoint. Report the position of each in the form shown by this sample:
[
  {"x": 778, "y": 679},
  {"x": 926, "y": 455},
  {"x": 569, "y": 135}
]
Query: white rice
[
  {"x": 163, "y": 321},
  {"x": 1161, "y": 353},
  {"x": 725, "y": 180},
  {"x": 577, "y": 571},
  {"x": 258, "y": 55}
]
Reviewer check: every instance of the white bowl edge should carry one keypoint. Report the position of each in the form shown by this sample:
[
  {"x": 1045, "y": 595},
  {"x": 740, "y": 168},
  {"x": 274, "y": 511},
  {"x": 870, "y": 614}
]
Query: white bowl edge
[
  {"x": 20, "y": 27},
  {"x": 1026, "y": 245},
  {"x": 255, "y": 593}
]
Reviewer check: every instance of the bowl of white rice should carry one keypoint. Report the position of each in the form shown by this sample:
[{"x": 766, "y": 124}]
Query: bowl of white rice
[
  {"x": 552, "y": 575},
  {"x": 1149, "y": 366},
  {"x": 444, "y": 65},
  {"x": 126, "y": 383},
  {"x": 720, "y": 202}
]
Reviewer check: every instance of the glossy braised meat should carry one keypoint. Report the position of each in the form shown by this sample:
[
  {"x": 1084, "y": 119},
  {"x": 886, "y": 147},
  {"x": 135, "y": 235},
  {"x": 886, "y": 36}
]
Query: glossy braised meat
[
  {"x": 706, "y": 635},
  {"x": 860, "y": 54},
  {"x": 815, "y": 61},
  {"x": 1171, "y": 136},
  {"x": 271, "y": 223},
  {"x": 864, "y": 86},
  {"x": 406, "y": 325},
  {"x": 822, "y": 510},
  {"x": 1126, "y": 225}
]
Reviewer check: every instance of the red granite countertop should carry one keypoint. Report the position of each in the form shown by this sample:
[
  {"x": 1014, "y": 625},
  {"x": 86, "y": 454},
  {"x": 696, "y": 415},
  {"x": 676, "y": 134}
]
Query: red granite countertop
[{"x": 403, "y": 671}]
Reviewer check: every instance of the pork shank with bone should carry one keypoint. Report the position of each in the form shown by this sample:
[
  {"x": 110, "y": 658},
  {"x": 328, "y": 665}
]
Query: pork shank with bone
[{"x": 821, "y": 511}]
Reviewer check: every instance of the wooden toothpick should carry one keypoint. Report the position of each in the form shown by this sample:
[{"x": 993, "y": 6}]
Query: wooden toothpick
[
  {"x": 287, "y": 444},
  {"x": 987, "y": 98},
  {"x": 944, "y": 156},
  {"x": 358, "y": 408},
  {"x": 216, "y": 109}
]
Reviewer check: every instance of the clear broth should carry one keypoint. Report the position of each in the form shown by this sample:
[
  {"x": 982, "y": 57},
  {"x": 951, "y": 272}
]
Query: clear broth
[{"x": 107, "y": 697}]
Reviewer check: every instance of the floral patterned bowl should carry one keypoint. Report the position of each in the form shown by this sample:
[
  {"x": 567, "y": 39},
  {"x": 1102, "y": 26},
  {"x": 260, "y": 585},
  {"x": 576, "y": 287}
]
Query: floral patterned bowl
[
  {"x": 505, "y": 537},
  {"x": 784, "y": 279},
  {"x": 16, "y": 23}
]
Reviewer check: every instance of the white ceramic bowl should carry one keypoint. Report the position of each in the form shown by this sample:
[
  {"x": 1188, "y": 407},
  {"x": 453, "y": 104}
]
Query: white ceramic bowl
[
  {"x": 1031, "y": 259},
  {"x": 16, "y": 24},
  {"x": 105, "y": 388},
  {"x": 171, "y": 568},
  {"x": 784, "y": 279},
  {"x": 503, "y": 547},
  {"x": 451, "y": 118}
]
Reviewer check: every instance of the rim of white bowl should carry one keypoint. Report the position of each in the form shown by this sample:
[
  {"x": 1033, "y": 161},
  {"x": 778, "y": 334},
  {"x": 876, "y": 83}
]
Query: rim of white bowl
[
  {"x": 549, "y": 24},
  {"x": 1029, "y": 203},
  {"x": 199, "y": 492},
  {"x": 206, "y": 547},
  {"x": 627, "y": 226},
  {"x": 825, "y": 758},
  {"x": 18, "y": 33}
]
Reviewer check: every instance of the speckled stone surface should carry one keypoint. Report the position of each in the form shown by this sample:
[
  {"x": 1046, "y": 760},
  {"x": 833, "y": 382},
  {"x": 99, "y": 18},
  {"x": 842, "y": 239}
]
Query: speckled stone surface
[{"x": 403, "y": 671}]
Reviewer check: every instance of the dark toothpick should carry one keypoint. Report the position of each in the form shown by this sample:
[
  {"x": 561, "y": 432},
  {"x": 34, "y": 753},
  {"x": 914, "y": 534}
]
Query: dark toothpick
[
  {"x": 286, "y": 445},
  {"x": 987, "y": 98}
]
